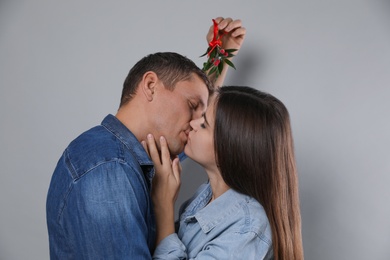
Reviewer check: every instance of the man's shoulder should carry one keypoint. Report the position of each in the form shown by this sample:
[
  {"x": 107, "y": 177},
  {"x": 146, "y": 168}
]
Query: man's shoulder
[
  {"x": 96, "y": 146},
  {"x": 93, "y": 141}
]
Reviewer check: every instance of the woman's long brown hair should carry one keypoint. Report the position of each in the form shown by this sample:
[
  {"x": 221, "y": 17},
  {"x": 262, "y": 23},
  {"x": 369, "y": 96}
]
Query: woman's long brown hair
[{"x": 255, "y": 154}]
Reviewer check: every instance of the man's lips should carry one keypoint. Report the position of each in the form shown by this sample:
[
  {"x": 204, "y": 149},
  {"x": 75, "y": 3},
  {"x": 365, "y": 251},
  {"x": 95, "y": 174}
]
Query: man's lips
[{"x": 187, "y": 132}]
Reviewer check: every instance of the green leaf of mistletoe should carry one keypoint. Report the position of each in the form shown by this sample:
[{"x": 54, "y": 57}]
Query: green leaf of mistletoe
[
  {"x": 228, "y": 62},
  {"x": 212, "y": 70}
]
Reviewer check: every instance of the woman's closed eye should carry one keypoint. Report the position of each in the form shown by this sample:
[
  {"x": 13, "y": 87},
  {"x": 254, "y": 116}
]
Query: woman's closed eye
[{"x": 205, "y": 122}]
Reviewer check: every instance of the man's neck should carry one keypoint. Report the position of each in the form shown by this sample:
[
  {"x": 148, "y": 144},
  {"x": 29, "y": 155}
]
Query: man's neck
[{"x": 134, "y": 117}]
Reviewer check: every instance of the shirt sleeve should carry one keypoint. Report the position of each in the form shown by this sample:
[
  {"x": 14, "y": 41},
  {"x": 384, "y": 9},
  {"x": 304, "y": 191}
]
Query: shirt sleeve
[
  {"x": 237, "y": 245},
  {"x": 182, "y": 156},
  {"x": 107, "y": 214},
  {"x": 228, "y": 245},
  {"x": 170, "y": 247}
]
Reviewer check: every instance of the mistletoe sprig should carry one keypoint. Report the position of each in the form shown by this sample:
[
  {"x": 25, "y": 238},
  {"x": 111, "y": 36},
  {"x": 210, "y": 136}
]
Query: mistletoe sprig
[{"x": 217, "y": 56}]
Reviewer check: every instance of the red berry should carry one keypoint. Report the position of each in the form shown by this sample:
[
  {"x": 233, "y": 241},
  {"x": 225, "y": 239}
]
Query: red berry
[{"x": 216, "y": 63}]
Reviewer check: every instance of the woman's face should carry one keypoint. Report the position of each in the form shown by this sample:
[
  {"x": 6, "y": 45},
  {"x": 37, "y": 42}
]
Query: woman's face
[{"x": 200, "y": 144}]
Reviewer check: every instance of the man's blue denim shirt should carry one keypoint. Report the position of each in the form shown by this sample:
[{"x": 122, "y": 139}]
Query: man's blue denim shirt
[{"x": 98, "y": 204}]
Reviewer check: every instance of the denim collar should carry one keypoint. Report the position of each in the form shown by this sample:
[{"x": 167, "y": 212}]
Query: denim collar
[
  {"x": 217, "y": 211},
  {"x": 112, "y": 124}
]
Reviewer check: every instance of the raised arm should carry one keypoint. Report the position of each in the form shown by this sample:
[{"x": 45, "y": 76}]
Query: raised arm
[
  {"x": 165, "y": 187},
  {"x": 232, "y": 37}
]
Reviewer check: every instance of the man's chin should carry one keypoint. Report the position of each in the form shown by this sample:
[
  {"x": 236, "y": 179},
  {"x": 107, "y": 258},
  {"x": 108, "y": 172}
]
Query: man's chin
[
  {"x": 176, "y": 147},
  {"x": 177, "y": 150}
]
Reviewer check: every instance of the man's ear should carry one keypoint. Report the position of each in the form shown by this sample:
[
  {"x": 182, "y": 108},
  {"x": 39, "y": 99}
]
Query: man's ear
[{"x": 148, "y": 84}]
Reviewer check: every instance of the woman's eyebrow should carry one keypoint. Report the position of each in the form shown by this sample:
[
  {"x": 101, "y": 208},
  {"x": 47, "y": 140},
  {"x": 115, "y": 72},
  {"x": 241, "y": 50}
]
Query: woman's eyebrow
[{"x": 205, "y": 119}]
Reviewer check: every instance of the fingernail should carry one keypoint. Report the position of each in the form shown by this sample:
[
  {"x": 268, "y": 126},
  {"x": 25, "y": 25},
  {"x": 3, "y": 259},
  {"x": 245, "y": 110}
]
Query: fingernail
[
  {"x": 150, "y": 136},
  {"x": 162, "y": 138}
]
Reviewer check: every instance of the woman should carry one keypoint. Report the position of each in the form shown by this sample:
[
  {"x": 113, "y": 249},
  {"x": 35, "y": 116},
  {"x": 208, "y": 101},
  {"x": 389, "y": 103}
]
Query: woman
[{"x": 249, "y": 209}]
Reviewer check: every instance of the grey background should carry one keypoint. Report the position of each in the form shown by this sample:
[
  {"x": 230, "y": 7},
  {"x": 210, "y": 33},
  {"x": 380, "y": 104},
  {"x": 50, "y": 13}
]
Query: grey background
[{"x": 62, "y": 64}]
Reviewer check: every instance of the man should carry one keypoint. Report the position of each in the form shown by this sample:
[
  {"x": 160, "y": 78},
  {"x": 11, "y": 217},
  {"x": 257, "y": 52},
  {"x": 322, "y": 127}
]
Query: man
[{"x": 98, "y": 203}]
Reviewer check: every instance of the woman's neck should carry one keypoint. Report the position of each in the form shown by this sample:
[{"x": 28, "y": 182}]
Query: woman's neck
[{"x": 218, "y": 185}]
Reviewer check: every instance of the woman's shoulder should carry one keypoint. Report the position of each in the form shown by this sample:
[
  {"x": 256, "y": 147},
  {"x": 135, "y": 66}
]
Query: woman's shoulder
[{"x": 253, "y": 217}]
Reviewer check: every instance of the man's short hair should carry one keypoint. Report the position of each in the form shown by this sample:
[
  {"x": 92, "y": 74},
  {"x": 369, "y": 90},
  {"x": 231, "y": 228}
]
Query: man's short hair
[{"x": 170, "y": 68}]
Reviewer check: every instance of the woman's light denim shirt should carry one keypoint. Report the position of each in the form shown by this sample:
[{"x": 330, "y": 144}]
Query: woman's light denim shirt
[{"x": 234, "y": 226}]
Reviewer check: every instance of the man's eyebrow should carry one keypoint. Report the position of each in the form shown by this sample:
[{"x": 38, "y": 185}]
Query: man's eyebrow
[
  {"x": 197, "y": 100},
  {"x": 200, "y": 102}
]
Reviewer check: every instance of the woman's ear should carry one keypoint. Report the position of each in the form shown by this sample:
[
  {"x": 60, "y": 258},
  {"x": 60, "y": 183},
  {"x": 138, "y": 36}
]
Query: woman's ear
[{"x": 148, "y": 84}]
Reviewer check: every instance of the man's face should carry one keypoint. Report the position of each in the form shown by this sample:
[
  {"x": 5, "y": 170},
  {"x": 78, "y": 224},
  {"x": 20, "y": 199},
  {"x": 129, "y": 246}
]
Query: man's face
[
  {"x": 174, "y": 110},
  {"x": 200, "y": 144}
]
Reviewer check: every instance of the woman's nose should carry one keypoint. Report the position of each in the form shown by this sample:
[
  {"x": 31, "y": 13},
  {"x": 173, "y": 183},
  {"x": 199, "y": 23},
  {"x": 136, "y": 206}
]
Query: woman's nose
[
  {"x": 194, "y": 123},
  {"x": 198, "y": 113}
]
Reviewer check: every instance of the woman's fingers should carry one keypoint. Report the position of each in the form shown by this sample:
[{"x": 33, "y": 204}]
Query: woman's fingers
[
  {"x": 145, "y": 146},
  {"x": 218, "y": 19},
  {"x": 165, "y": 159},
  {"x": 165, "y": 155},
  {"x": 233, "y": 25},
  {"x": 167, "y": 179},
  {"x": 223, "y": 23},
  {"x": 241, "y": 31},
  {"x": 176, "y": 166},
  {"x": 153, "y": 152}
]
